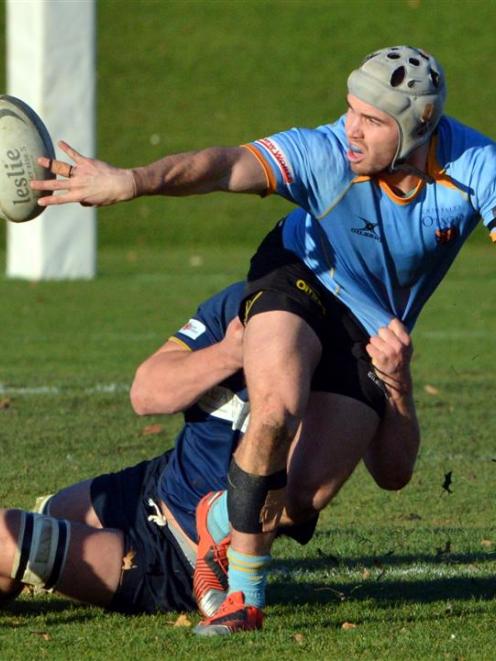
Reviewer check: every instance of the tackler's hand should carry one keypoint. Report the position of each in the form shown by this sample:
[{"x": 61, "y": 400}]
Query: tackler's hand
[
  {"x": 233, "y": 342},
  {"x": 87, "y": 181},
  {"x": 391, "y": 351}
]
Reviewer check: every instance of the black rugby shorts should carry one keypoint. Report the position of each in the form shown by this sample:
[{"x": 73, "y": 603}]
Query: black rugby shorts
[
  {"x": 160, "y": 577},
  {"x": 279, "y": 280}
]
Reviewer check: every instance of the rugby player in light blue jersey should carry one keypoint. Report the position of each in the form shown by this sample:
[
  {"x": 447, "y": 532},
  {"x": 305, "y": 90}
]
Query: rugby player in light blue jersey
[{"x": 388, "y": 194}]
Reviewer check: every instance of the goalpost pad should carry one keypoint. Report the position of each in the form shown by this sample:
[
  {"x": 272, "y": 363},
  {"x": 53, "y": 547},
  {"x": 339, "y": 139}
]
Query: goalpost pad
[{"x": 51, "y": 67}]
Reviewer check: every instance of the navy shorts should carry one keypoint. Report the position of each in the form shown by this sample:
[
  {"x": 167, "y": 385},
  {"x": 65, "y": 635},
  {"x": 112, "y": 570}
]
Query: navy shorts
[
  {"x": 279, "y": 280},
  {"x": 160, "y": 577}
]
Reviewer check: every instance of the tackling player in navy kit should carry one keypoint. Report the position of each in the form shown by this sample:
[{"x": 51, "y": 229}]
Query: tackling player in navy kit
[
  {"x": 387, "y": 196},
  {"x": 127, "y": 540}
]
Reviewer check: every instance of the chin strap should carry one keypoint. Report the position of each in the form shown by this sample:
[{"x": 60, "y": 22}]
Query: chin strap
[{"x": 411, "y": 169}]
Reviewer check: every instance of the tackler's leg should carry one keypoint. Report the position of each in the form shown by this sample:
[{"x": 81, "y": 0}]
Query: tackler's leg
[
  {"x": 73, "y": 503},
  {"x": 335, "y": 434},
  {"x": 54, "y": 554}
]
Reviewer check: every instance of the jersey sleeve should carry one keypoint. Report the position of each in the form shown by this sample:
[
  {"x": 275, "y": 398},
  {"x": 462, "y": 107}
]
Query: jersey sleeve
[
  {"x": 470, "y": 157},
  {"x": 208, "y": 325},
  {"x": 485, "y": 187},
  {"x": 306, "y": 166}
]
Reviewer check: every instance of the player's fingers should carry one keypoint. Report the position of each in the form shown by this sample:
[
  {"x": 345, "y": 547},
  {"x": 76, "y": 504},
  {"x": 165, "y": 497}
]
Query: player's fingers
[
  {"x": 57, "y": 167},
  {"x": 379, "y": 343},
  {"x": 399, "y": 330},
  {"x": 390, "y": 339},
  {"x": 375, "y": 353},
  {"x": 49, "y": 184},
  {"x": 52, "y": 200},
  {"x": 236, "y": 325},
  {"x": 70, "y": 151},
  {"x": 61, "y": 168},
  {"x": 45, "y": 162},
  {"x": 386, "y": 334}
]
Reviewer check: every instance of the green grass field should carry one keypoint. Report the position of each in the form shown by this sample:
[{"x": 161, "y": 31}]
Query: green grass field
[{"x": 412, "y": 573}]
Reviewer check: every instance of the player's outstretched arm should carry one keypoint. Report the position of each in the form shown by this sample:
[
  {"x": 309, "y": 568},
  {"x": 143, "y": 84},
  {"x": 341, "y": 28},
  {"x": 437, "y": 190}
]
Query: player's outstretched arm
[
  {"x": 173, "y": 378},
  {"x": 95, "y": 183},
  {"x": 391, "y": 456}
]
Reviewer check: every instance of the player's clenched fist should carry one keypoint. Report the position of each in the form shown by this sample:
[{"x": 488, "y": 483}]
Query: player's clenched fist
[{"x": 391, "y": 351}]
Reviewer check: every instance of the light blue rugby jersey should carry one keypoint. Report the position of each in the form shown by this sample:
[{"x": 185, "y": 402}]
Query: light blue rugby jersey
[
  {"x": 381, "y": 254},
  {"x": 202, "y": 454}
]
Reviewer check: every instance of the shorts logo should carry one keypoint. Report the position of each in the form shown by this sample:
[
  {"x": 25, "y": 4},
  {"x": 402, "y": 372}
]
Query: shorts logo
[
  {"x": 368, "y": 230},
  {"x": 305, "y": 287},
  {"x": 280, "y": 159},
  {"x": 193, "y": 329},
  {"x": 446, "y": 235}
]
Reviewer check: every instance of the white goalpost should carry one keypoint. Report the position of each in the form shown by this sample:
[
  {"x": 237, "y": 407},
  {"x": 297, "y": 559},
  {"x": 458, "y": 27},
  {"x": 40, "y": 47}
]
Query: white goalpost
[{"x": 51, "y": 66}]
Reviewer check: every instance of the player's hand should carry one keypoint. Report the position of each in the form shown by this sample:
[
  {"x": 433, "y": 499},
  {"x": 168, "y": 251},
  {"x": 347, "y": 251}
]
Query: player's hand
[
  {"x": 391, "y": 352},
  {"x": 232, "y": 343},
  {"x": 87, "y": 181}
]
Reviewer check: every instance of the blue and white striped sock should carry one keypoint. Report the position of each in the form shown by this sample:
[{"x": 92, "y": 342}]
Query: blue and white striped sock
[{"x": 248, "y": 574}]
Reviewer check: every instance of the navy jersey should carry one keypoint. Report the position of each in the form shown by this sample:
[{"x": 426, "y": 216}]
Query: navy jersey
[
  {"x": 213, "y": 425},
  {"x": 383, "y": 255}
]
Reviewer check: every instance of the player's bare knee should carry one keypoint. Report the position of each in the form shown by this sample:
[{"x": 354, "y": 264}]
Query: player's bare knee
[
  {"x": 273, "y": 425},
  {"x": 394, "y": 481},
  {"x": 305, "y": 500}
]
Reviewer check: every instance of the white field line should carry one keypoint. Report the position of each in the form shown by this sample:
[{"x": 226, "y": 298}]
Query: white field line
[
  {"x": 105, "y": 388},
  {"x": 446, "y": 334},
  {"x": 388, "y": 572}
]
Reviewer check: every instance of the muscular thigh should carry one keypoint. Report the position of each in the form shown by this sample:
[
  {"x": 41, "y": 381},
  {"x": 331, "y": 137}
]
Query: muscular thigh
[
  {"x": 74, "y": 503},
  {"x": 334, "y": 435},
  {"x": 281, "y": 352}
]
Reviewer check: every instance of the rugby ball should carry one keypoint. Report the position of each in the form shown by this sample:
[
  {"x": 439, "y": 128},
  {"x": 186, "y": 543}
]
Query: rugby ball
[{"x": 23, "y": 139}]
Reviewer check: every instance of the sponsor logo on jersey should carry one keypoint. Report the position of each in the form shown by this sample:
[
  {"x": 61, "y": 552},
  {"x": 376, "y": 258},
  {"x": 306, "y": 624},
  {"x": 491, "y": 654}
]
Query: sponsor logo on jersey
[
  {"x": 368, "y": 230},
  {"x": 193, "y": 329},
  {"x": 279, "y": 157},
  {"x": 446, "y": 235}
]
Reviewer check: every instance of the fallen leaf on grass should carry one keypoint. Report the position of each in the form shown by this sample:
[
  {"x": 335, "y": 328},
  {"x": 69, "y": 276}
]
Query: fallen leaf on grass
[
  {"x": 5, "y": 403},
  {"x": 431, "y": 390},
  {"x": 487, "y": 543},
  {"x": 128, "y": 560},
  {"x": 413, "y": 516},
  {"x": 298, "y": 638},
  {"x": 348, "y": 625},
  {"x": 447, "y": 482},
  {"x": 183, "y": 621},
  {"x": 440, "y": 552},
  {"x": 152, "y": 429},
  {"x": 42, "y": 634}
]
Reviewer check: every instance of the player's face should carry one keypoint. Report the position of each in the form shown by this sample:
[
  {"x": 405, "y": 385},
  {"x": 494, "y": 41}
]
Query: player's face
[{"x": 372, "y": 135}]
